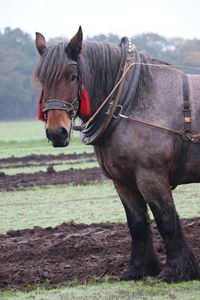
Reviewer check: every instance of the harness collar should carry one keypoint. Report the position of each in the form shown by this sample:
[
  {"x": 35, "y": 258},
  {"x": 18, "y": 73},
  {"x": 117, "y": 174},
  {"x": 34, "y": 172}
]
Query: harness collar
[{"x": 100, "y": 127}]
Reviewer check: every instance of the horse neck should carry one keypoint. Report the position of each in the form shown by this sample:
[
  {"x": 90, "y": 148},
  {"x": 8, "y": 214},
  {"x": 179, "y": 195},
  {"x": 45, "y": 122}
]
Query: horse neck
[{"x": 99, "y": 64}]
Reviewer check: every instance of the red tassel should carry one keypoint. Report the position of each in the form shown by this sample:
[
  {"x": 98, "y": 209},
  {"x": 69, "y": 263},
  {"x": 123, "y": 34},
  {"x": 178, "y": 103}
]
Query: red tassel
[
  {"x": 85, "y": 102},
  {"x": 85, "y": 109},
  {"x": 40, "y": 111}
]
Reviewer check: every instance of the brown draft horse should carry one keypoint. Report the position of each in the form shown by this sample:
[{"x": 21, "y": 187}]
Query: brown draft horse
[{"x": 142, "y": 161}]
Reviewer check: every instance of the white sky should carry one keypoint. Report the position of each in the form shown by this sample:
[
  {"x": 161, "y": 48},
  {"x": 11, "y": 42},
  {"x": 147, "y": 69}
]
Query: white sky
[{"x": 170, "y": 18}]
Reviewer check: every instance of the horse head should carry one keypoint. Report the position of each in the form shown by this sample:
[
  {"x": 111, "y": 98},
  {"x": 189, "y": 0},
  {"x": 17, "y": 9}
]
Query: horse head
[{"x": 59, "y": 76}]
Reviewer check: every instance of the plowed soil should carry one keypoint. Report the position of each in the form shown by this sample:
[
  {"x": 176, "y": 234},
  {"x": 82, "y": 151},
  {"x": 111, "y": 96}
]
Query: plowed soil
[
  {"x": 73, "y": 252},
  {"x": 25, "y": 180},
  {"x": 69, "y": 252}
]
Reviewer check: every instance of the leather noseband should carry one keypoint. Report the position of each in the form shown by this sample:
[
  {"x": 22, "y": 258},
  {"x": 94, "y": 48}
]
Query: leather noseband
[{"x": 62, "y": 105}]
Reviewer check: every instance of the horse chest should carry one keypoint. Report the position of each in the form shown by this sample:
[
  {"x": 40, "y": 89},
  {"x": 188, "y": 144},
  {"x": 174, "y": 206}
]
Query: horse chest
[{"x": 115, "y": 165}]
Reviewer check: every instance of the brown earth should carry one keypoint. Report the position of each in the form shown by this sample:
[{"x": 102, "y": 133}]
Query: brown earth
[
  {"x": 73, "y": 176},
  {"x": 41, "y": 160},
  {"x": 54, "y": 256},
  {"x": 25, "y": 180}
]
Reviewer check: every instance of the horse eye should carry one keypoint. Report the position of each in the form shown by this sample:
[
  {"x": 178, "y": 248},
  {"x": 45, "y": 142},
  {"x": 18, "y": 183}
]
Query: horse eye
[{"x": 73, "y": 78}]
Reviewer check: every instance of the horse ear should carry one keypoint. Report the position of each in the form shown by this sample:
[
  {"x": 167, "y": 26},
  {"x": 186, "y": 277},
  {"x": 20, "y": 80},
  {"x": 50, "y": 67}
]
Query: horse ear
[
  {"x": 40, "y": 43},
  {"x": 74, "y": 46}
]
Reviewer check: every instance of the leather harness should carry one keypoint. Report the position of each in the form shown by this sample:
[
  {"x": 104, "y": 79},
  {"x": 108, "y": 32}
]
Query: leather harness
[
  {"x": 106, "y": 121},
  {"x": 61, "y": 105},
  {"x": 186, "y": 105},
  {"x": 182, "y": 155},
  {"x": 109, "y": 115}
]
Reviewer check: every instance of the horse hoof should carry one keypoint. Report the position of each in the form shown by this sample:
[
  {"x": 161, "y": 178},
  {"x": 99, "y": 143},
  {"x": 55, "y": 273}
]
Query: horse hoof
[
  {"x": 137, "y": 273},
  {"x": 170, "y": 275},
  {"x": 165, "y": 275},
  {"x": 129, "y": 274}
]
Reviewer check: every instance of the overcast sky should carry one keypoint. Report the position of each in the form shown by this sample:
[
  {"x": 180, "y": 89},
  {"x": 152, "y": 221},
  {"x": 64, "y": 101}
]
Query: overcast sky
[{"x": 170, "y": 18}]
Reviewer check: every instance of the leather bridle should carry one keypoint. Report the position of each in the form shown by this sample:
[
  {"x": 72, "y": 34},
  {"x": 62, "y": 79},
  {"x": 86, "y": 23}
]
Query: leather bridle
[
  {"x": 53, "y": 104},
  {"x": 56, "y": 104}
]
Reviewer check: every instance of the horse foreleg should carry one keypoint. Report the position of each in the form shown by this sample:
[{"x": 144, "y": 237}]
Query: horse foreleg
[
  {"x": 143, "y": 261},
  {"x": 181, "y": 264}
]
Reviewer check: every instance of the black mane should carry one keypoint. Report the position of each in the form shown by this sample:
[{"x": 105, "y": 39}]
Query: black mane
[
  {"x": 98, "y": 65},
  {"x": 52, "y": 66}
]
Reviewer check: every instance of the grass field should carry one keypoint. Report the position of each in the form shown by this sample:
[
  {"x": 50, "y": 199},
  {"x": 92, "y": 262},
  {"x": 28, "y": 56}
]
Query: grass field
[
  {"x": 141, "y": 290},
  {"x": 52, "y": 205},
  {"x": 25, "y": 138}
]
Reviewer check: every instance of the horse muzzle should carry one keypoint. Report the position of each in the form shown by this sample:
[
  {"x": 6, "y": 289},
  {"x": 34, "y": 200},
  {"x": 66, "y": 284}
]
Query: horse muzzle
[{"x": 59, "y": 137}]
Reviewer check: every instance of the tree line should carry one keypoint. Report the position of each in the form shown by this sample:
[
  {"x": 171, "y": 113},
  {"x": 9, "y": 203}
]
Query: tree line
[{"x": 18, "y": 58}]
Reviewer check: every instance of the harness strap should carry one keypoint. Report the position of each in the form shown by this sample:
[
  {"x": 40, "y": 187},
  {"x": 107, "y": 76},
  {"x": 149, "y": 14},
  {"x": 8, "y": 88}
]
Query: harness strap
[
  {"x": 108, "y": 117},
  {"x": 91, "y": 132},
  {"x": 186, "y": 105},
  {"x": 62, "y": 105},
  {"x": 104, "y": 123},
  {"x": 182, "y": 155}
]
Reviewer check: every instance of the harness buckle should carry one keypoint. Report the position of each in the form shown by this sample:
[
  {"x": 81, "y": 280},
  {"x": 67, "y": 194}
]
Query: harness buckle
[
  {"x": 109, "y": 108},
  {"x": 119, "y": 109},
  {"x": 187, "y": 119}
]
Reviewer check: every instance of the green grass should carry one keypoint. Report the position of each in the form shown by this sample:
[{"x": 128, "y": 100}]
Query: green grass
[
  {"x": 52, "y": 205},
  {"x": 21, "y": 131},
  {"x": 187, "y": 200},
  {"x": 25, "y": 138},
  {"x": 148, "y": 289},
  {"x": 24, "y": 148}
]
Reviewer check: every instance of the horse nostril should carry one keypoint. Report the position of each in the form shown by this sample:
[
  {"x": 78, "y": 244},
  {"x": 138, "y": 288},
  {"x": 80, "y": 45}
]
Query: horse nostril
[
  {"x": 48, "y": 134},
  {"x": 63, "y": 131}
]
